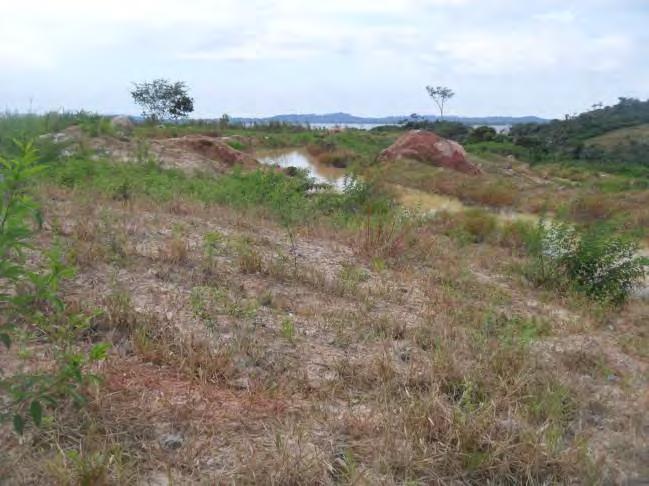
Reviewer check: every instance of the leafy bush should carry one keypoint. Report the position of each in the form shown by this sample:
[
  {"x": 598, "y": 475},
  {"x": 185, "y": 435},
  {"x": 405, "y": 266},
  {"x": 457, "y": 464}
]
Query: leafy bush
[
  {"x": 31, "y": 308},
  {"x": 482, "y": 134},
  {"x": 603, "y": 265},
  {"x": 606, "y": 266}
]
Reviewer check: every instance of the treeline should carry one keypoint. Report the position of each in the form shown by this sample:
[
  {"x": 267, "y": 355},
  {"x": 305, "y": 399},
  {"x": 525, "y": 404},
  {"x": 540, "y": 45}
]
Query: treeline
[{"x": 569, "y": 138}]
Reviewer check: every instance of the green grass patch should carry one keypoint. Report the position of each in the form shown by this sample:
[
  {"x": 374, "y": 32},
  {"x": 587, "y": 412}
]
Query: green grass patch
[{"x": 288, "y": 199}]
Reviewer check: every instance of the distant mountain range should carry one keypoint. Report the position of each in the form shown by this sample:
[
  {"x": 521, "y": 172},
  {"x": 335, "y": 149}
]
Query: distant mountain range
[{"x": 347, "y": 119}]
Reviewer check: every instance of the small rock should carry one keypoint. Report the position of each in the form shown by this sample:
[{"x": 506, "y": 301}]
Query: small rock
[
  {"x": 171, "y": 441},
  {"x": 405, "y": 355},
  {"x": 242, "y": 383}
]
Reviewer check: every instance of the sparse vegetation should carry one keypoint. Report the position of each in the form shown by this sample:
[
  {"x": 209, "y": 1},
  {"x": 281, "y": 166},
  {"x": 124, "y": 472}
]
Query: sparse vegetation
[{"x": 263, "y": 329}]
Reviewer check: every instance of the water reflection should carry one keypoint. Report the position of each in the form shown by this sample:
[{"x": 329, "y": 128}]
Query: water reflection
[{"x": 301, "y": 159}]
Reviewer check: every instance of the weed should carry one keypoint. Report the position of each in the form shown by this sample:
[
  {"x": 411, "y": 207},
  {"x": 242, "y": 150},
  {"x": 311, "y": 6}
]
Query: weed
[
  {"x": 516, "y": 235},
  {"x": 118, "y": 311},
  {"x": 479, "y": 224},
  {"x": 266, "y": 299},
  {"x": 159, "y": 342},
  {"x": 350, "y": 277},
  {"x": 345, "y": 469},
  {"x": 288, "y": 329},
  {"x": 84, "y": 468},
  {"x": 551, "y": 404},
  {"x": 385, "y": 237},
  {"x": 176, "y": 250},
  {"x": 210, "y": 302},
  {"x": 249, "y": 259},
  {"x": 511, "y": 329}
]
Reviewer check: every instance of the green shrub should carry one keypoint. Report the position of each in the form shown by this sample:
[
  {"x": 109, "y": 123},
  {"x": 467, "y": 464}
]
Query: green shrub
[
  {"x": 603, "y": 265},
  {"x": 32, "y": 308},
  {"x": 236, "y": 145},
  {"x": 517, "y": 234},
  {"x": 479, "y": 224},
  {"x": 606, "y": 266}
]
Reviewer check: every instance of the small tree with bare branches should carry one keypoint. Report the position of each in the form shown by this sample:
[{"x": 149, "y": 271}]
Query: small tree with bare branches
[{"x": 440, "y": 95}]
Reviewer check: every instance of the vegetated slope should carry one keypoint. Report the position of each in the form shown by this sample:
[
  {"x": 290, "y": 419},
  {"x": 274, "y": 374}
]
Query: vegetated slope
[
  {"x": 567, "y": 137},
  {"x": 324, "y": 362},
  {"x": 621, "y": 136},
  {"x": 265, "y": 334}
]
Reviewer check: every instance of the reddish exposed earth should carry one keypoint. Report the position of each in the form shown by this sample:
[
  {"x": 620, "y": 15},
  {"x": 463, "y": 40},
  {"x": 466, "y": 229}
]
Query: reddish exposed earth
[{"x": 430, "y": 148}]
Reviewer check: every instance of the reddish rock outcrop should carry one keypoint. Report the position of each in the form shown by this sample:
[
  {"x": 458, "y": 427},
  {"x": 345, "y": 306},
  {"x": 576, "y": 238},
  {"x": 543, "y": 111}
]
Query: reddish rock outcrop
[{"x": 430, "y": 148}]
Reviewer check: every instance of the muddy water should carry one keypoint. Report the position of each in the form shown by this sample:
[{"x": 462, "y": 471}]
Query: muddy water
[
  {"x": 426, "y": 201},
  {"x": 301, "y": 159},
  {"x": 432, "y": 203}
]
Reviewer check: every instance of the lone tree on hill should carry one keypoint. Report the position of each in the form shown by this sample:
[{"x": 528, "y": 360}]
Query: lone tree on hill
[
  {"x": 440, "y": 95},
  {"x": 162, "y": 99}
]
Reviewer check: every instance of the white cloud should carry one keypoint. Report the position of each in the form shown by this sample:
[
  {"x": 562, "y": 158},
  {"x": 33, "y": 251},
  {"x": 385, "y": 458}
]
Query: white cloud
[
  {"x": 348, "y": 43},
  {"x": 560, "y": 16}
]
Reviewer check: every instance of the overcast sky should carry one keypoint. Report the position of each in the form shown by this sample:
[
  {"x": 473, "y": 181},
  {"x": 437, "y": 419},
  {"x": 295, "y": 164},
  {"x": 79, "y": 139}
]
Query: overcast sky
[{"x": 366, "y": 57}]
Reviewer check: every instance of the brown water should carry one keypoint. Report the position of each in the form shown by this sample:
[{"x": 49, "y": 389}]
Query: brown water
[
  {"x": 301, "y": 159},
  {"x": 432, "y": 203}
]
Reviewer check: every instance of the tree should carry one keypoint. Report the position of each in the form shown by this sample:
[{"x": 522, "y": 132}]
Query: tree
[
  {"x": 482, "y": 134},
  {"x": 162, "y": 99},
  {"x": 440, "y": 95}
]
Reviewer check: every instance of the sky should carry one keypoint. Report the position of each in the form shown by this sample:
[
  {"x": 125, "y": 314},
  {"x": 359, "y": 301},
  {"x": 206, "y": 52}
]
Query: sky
[{"x": 365, "y": 57}]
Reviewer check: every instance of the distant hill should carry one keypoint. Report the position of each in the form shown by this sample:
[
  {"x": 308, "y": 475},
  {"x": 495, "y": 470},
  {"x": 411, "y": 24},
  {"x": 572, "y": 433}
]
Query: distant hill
[{"x": 347, "y": 119}]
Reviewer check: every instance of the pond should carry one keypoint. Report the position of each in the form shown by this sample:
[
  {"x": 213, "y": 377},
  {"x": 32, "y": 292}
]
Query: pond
[{"x": 301, "y": 159}]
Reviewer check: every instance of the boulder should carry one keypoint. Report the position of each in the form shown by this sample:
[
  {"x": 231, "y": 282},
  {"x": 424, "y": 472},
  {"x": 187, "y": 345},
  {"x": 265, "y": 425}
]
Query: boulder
[
  {"x": 123, "y": 123},
  {"x": 430, "y": 148}
]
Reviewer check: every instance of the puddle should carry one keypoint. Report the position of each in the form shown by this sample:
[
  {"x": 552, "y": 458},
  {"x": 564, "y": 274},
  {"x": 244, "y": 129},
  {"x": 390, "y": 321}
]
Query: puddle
[
  {"x": 432, "y": 203},
  {"x": 301, "y": 159},
  {"x": 426, "y": 201}
]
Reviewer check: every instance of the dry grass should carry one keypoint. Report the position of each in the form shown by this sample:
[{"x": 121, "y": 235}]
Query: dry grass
[
  {"x": 175, "y": 250},
  {"x": 394, "y": 354}
]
